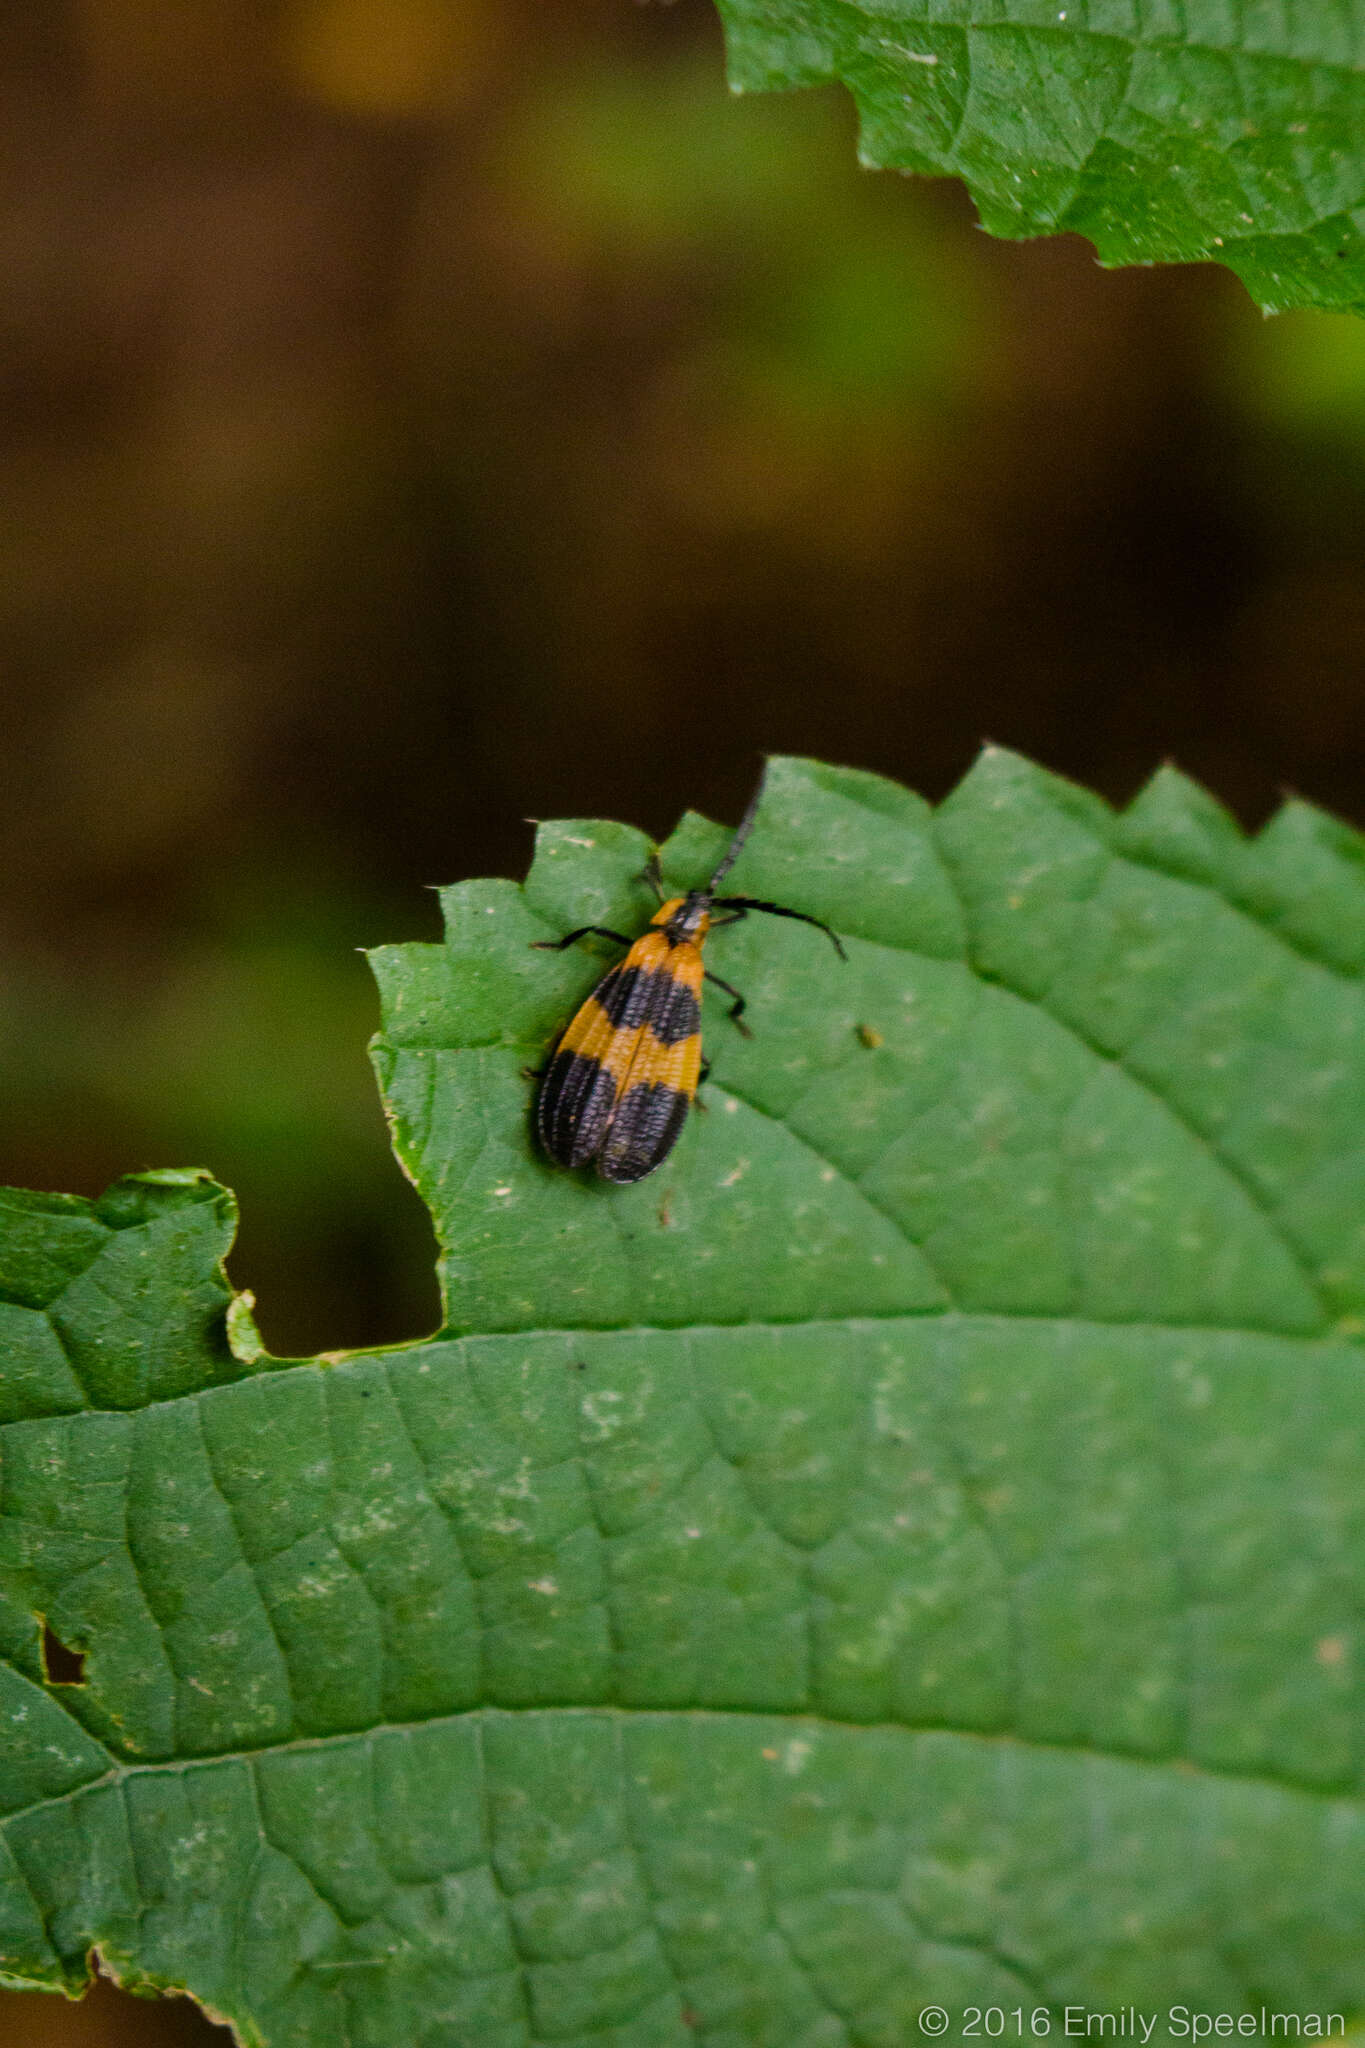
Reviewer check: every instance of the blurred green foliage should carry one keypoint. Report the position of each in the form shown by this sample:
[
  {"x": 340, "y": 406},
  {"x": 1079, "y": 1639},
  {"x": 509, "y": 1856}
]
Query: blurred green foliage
[{"x": 1305, "y": 372}]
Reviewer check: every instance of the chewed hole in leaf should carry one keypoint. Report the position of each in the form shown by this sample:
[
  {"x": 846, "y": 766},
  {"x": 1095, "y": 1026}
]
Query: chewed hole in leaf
[
  {"x": 107, "y": 2016},
  {"x": 61, "y": 1664}
]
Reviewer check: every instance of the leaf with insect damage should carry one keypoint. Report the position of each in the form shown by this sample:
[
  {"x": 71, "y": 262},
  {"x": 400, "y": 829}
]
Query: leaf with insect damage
[{"x": 907, "y": 1552}]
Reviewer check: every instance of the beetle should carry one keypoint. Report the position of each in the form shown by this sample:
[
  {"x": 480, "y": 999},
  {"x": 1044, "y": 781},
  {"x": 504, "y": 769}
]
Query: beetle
[{"x": 625, "y": 1070}]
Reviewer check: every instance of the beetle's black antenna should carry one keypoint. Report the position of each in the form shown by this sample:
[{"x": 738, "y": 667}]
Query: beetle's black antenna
[{"x": 745, "y": 827}]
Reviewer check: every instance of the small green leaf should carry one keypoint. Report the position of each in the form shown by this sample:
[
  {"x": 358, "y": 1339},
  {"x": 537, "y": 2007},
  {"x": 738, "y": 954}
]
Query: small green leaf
[
  {"x": 906, "y": 1552},
  {"x": 1163, "y": 133}
]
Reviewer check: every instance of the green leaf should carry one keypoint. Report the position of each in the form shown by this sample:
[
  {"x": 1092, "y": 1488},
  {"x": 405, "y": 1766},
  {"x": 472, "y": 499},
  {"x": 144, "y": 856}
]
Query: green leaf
[
  {"x": 1164, "y": 133},
  {"x": 907, "y": 1551}
]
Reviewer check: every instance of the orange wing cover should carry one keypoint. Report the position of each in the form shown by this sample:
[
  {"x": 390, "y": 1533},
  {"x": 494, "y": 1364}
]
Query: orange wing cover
[{"x": 622, "y": 1077}]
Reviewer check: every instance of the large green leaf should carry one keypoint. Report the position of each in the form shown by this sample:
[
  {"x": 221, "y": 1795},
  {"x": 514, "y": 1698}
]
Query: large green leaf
[
  {"x": 907, "y": 1551},
  {"x": 1165, "y": 132}
]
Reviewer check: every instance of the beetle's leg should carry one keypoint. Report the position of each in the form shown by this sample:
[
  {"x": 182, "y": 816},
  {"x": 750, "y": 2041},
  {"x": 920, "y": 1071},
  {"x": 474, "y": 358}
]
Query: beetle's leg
[
  {"x": 781, "y": 910},
  {"x": 570, "y": 938},
  {"x": 737, "y": 1007}
]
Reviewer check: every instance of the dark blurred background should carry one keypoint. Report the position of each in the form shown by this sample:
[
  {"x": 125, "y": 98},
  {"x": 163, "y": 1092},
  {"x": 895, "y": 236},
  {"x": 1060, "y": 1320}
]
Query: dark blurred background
[{"x": 421, "y": 415}]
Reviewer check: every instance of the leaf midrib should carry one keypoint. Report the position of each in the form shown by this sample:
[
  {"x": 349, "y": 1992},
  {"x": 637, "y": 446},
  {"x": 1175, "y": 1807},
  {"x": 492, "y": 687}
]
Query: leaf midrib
[
  {"x": 268, "y": 1367},
  {"x": 998, "y": 1741}
]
